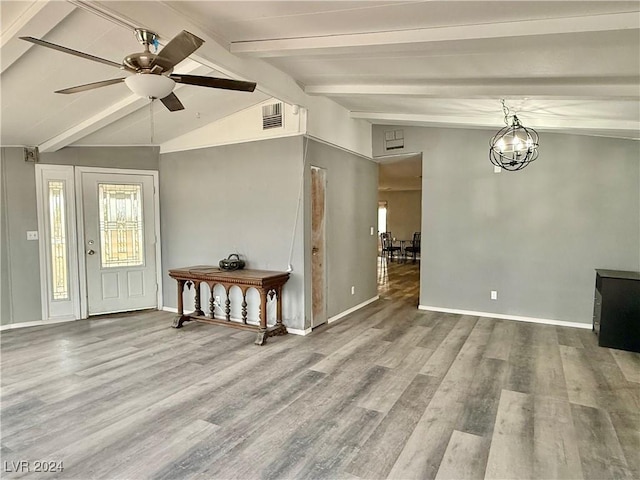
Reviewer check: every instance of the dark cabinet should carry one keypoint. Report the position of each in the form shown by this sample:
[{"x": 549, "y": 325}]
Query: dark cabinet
[{"x": 616, "y": 309}]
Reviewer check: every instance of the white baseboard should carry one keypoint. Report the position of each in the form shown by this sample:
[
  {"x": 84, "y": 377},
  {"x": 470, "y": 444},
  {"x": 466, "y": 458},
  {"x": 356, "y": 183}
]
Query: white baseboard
[
  {"x": 297, "y": 331},
  {"x": 293, "y": 331},
  {"x": 37, "y": 323},
  {"x": 352, "y": 309},
  {"x": 518, "y": 318}
]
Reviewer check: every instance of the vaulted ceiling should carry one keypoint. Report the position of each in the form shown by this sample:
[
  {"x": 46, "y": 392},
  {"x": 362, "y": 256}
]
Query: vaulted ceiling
[{"x": 570, "y": 66}]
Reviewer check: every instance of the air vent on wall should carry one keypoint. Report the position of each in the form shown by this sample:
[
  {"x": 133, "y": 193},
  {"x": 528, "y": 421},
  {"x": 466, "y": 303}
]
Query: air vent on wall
[
  {"x": 271, "y": 116},
  {"x": 393, "y": 139}
]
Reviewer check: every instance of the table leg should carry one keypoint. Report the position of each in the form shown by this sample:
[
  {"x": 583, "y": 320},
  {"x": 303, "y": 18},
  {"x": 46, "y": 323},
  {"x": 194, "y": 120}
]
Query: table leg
[
  {"x": 279, "y": 328},
  {"x": 180, "y": 318},
  {"x": 261, "y": 338}
]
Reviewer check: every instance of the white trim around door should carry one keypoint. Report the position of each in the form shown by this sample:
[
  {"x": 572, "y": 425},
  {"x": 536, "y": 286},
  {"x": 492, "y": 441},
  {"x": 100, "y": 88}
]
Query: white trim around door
[{"x": 79, "y": 171}]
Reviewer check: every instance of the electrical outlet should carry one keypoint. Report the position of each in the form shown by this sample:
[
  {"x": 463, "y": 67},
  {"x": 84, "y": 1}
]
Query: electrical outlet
[
  {"x": 353, "y": 290},
  {"x": 32, "y": 235},
  {"x": 494, "y": 294}
]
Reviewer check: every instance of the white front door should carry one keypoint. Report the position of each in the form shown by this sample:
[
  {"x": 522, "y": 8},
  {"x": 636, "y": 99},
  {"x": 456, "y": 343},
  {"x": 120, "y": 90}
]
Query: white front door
[{"x": 118, "y": 212}]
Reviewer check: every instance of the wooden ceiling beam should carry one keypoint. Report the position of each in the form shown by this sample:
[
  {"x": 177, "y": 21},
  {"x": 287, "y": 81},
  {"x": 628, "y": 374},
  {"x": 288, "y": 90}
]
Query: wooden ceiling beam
[
  {"x": 607, "y": 89},
  {"x": 36, "y": 21},
  {"x": 351, "y": 43},
  {"x": 631, "y": 129}
]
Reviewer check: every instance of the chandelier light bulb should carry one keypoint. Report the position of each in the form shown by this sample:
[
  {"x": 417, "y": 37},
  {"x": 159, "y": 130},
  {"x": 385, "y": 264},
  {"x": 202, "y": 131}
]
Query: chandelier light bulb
[{"x": 518, "y": 145}]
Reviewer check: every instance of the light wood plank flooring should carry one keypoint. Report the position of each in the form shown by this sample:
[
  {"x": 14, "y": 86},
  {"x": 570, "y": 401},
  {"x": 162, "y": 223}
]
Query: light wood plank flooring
[{"x": 387, "y": 392}]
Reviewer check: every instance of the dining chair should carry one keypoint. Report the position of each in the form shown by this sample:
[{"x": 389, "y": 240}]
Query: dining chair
[
  {"x": 414, "y": 248},
  {"x": 388, "y": 249}
]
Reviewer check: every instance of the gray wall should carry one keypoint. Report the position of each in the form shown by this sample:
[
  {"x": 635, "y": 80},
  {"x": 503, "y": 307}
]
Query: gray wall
[
  {"x": 351, "y": 198},
  {"x": 20, "y": 288},
  {"x": 536, "y": 235},
  {"x": 244, "y": 198},
  {"x": 403, "y": 212},
  {"x": 138, "y": 158},
  {"x": 236, "y": 198}
]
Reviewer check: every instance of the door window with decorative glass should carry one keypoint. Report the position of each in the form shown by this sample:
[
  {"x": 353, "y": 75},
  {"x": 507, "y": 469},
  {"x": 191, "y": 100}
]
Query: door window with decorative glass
[{"x": 121, "y": 225}]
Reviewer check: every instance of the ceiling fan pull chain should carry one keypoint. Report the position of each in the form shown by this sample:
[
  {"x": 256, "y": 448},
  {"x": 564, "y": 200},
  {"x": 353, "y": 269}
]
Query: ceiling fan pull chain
[{"x": 151, "y": 125}]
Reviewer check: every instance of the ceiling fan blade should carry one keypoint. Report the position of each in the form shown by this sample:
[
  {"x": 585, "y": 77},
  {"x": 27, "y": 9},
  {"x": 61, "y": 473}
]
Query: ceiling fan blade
[
  {"x": 172, "y": 102},
  {"x": 179, "y": 48},
  {"x": 90, "y": 86},
  {"x": 70, "y": 51},
  {"x": 214, "y": 82}
]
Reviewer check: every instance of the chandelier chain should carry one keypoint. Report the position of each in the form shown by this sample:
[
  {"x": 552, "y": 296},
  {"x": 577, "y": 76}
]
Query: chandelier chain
[{"x": 507, "y": 112}]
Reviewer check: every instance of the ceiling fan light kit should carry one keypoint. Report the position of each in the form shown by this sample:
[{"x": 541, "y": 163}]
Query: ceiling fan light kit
[
  {"x": 515, "y": 146},
  {"x": 152, "y": 73},
  {"x": 150, "y": 86}
]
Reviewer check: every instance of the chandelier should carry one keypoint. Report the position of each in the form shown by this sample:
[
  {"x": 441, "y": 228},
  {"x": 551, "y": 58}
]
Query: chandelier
[{"x": 514, "y": 146}]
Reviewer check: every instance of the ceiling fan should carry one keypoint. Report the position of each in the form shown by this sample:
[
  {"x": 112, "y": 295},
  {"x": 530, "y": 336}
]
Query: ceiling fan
[{"x": 153, "y": 73}]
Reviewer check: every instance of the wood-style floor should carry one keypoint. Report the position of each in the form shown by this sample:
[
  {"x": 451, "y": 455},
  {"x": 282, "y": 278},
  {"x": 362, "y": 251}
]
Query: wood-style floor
[{"x": 387, "y": 392}]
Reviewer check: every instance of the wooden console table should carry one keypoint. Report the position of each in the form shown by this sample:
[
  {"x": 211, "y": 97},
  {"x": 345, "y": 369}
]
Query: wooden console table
[{"x": 267, "y": 283}]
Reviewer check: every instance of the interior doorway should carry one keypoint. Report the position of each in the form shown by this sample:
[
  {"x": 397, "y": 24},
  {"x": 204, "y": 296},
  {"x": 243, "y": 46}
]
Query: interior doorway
[
  {"x": 400, "y": 219},
  {"x": 318, "y": 246}
]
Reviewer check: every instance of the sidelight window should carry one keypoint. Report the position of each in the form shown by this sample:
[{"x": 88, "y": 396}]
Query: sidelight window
[{"x": 58, "y": 240}]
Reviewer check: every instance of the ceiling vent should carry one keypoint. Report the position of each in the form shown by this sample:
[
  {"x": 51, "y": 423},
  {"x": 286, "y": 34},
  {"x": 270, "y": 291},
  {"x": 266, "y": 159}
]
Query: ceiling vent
[
  {"x": 272, "y": 116},
  {"x": 393, "y": 139}
]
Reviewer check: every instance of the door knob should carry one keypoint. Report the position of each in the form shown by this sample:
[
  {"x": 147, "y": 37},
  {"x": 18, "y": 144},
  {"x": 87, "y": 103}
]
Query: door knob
[
  {"x": 91, "y": 252},
  {"x": 314, "y": 250}
]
